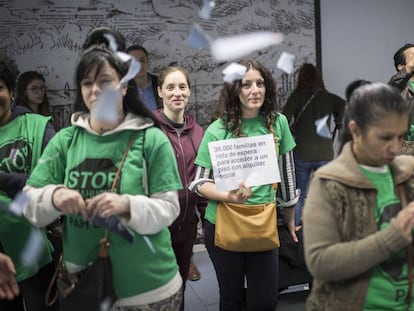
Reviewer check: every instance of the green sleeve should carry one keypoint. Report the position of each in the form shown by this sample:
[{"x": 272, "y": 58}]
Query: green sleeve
[{"x": 286, "y": 140}]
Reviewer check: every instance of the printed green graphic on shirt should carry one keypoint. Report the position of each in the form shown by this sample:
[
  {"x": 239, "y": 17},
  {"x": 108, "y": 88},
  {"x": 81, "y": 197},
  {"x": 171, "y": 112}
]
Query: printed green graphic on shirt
[
  {"x": 89, "y": 166},
  {"x": 21, "y": 143},
  {"x": 388, "y": 285}
]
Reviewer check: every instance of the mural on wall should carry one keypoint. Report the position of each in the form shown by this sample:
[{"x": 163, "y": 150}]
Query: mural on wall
[{"x": 47, "y": 35}]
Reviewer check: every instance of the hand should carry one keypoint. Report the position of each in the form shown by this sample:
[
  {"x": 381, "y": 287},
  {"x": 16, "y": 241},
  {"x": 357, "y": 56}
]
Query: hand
[
  {"x": 405, "y": 219},
  {"x": 107, "y": 204},
  {"x": 240, "y": 195},
  {"x": 8, "y": 285},
  {"x": 69, "y": 201},
  {"x": 289, "y": 221}
]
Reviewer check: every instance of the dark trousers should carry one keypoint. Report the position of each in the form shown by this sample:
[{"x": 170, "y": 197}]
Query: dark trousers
[
  {"x": 247, "y": 281},
  {"x": 183, "y": 251},
  {"x": 33, "y": 291}
]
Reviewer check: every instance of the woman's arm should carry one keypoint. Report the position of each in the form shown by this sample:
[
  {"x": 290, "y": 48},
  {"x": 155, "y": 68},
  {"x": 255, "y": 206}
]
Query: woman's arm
[
  {"x": 204, "y": 186},
  {"x": 41, "y": 211},
  {"x": 149, "y": 215},
  {"x": 330, "y": 258}
]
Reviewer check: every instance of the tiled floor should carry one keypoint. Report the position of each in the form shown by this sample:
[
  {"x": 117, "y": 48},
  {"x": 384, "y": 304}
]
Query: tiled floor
[{"x": 203, "y": 295}]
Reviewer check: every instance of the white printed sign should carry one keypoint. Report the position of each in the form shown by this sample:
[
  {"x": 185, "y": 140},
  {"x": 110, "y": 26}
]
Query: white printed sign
[{"x": 251, "y": 160}]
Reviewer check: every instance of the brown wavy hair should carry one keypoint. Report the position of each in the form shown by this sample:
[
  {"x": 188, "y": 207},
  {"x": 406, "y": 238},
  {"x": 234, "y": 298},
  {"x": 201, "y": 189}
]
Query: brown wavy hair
[{"x": 228, "y": 108}]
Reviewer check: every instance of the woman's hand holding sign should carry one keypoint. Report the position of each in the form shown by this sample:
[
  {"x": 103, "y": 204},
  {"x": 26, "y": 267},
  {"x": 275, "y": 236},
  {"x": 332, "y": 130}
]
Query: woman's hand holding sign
[{"x": 239, "y": 195}]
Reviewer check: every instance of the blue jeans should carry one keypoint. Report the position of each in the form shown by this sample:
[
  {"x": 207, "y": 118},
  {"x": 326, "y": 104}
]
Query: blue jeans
[{"x": 304, "y": 170}]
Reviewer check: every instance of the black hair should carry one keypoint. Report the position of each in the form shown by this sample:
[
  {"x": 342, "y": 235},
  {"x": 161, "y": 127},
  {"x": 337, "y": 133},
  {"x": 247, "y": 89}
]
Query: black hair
[
  {"x": 8, "y": 72},
  {"x": 98, "y": 56},
  {"x": 309, "y": 79},
  {"x": 370, "y": 102},
  {"x": 97, "y": 37},
  {"x": 399, "y": 56},
  {"x": 137, "y": 47},
  {"x": 352, "y": 86}
]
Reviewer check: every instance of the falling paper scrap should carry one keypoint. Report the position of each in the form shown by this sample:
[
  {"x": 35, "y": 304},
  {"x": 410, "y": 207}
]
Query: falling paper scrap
[
  {"x": 19, "y": 203},
  {"x": 323, "y": 128},
  {"x": 234, "y": 71},
  {"x": 34, "y": 248},
  {"x": 106, "y": 109},
  {"x": 205, "y": 11},
  {"x": 198, "y": 39},
  {"x": 113, "y": 224},
  {"x": 234, "y": 47},
  {"x": 286, "y": 62}
]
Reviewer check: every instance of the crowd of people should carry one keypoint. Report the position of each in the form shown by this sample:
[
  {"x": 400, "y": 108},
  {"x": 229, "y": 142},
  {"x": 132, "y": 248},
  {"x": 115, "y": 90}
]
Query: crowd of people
[{"x": 133, "y": 155}]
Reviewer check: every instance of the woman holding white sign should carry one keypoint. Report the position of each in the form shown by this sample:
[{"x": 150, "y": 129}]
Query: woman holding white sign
[{"x": 247, "y": 108}]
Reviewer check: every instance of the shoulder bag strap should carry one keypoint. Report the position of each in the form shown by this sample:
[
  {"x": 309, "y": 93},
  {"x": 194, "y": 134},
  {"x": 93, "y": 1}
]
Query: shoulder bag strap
[
  {"x": 104, "y": 241},
  {"x": 296, "y": 119}
]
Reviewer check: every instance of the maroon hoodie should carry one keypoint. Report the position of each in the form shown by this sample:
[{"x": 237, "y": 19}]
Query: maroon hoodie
[{"x": 185, "y": 142}]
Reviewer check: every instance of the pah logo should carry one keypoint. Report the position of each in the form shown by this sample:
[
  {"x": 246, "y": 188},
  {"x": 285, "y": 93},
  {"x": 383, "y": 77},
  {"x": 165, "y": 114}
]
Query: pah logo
[{"x": 16, "y": 157}]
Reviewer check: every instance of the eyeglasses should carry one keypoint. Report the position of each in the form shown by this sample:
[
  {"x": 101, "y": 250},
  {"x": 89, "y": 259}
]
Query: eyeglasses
[{"x": 37, "y": 89}]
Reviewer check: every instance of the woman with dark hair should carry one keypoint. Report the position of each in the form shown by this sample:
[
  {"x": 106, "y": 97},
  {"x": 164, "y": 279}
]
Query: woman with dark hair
[
  {"x": 309, "y": 102},
  {"x": 247, "y": 107},
  {"x": 31, "y": 92},
  {"x": 75, "y": 178},
  {"x": 358, "y": 229}
]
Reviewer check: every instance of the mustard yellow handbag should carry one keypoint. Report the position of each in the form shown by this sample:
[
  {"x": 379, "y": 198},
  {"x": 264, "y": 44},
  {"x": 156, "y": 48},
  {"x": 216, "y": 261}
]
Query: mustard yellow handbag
[{"x": 246, "y": 228}]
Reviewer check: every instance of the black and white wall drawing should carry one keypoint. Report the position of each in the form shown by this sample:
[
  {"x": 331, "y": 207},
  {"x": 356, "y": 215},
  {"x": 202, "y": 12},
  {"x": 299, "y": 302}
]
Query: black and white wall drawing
[{"x": 46, "y": 35}]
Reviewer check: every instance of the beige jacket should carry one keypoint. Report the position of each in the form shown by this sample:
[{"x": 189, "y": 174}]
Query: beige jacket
[{"x": 341, "y": 240}]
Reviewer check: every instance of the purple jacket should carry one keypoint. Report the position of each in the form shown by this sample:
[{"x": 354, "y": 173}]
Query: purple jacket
[{"x": 185, "y": 143}]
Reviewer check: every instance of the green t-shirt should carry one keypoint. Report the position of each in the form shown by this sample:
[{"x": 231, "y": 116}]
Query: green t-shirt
[
  {"x": 88, "y": 163},
  {"x": 388, "y": 285},
  {"x": 20, "y": 148},
  {"x": 251, "y": 127}
]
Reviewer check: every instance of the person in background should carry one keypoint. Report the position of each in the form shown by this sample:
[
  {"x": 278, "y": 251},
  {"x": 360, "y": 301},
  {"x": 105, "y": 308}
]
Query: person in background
[
  {"x": 403, "y": 80},
  {"x": 247, "y": 108},
  {"x": 31, "y": 92},
  {"x": 23, "y": 137},
  {"x": 99, "y": 35},
  {"x": 9, "y": 289},
  {"x": 185, "y": 135},
  {"x": 147, "y": 83},
  {"x": 309, "y": 102},
  {"x": 357, "y": 233},
  {"x": 145, "y": 272}
]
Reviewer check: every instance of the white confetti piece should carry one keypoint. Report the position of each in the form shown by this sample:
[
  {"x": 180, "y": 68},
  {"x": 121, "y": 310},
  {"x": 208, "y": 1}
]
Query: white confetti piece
[
  {"x": 19, "y": 203},
  {"x": 206, "y": 9},
  {"x": 33, "y": 248},
  {"x": 149, "y": 243},
  {"x": 234, "y": 71},
  {"x": 286, "y": 62},
  {"x": 323, "y": 128},
  {"x": 234, "y": 47},
  {"x": 198, "y": 38}
]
